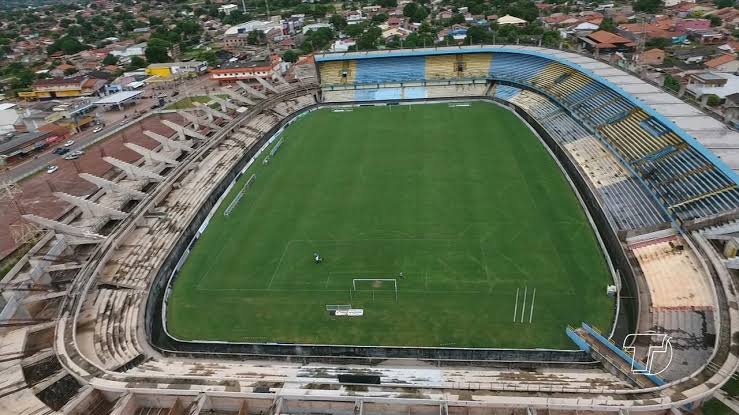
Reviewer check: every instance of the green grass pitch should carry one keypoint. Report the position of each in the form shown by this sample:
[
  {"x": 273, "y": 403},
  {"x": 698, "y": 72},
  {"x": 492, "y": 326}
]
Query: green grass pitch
[{"x": 465, "y": 201}]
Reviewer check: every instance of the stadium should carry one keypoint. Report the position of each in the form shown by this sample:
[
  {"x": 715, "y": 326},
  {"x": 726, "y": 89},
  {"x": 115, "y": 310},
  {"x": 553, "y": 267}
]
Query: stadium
[{"x": 460, "y": 230}]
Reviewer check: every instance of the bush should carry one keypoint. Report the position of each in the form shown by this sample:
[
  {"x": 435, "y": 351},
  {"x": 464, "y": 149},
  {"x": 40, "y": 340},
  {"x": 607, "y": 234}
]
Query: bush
[{"x": 713, "y": 100}]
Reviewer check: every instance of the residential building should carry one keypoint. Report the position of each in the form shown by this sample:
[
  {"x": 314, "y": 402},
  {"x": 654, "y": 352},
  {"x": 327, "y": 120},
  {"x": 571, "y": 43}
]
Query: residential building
[
  {"x": 511, "y": 20},
  {"x": 653, "y": 57},
  {"x": 139, "y": 49},
  {"x": 396, "y": 32},
  {"x": 63, "y": 88},
  {"x": 711, "y": 83},
  {"x": 354, "y": 17},
  {"x": 236, "y": 37},
  {"x": 664, "y": 28},
  {"x": 227, "y": 9},
  {"x": 724, "y": 63},
  {"x": 315, "y": 26},
  {"x": 728, "y": 15},
  {"x": 685, "y": 25},
  {"x": 707, "y": 37},
  {"x": 258, "y": 67},
  {"x": 9, "y": 117},
  {"x": 606, "y": 42},
  {"x": 342, "y": 45},
  {"x": 176, "y": 69}
]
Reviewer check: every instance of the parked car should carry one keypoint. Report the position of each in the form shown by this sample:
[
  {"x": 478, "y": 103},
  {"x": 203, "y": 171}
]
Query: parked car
[
  {"x": 51, "y": 169},
  {"x": 71, "y": 156},
  {"x": 77, "y": 153},
  {"x": 69, "y": 143}
]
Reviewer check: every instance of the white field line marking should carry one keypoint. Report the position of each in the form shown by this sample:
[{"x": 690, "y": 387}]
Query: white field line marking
[
  {"x": 523, "y": 307},
  {"x": 531, "y": 313},
  {"x": 515, "y": 307},
  {"x": 279, "y": 263}
]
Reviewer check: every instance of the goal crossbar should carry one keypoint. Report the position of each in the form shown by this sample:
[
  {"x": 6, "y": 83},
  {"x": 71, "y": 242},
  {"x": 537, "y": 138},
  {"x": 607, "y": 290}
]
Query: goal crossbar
[{"x": 330, "y": 307}]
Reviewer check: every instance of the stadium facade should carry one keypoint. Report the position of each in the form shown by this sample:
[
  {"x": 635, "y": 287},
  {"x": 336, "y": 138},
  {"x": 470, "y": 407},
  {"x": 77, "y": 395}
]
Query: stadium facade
[{"x": 657, "y": 176}]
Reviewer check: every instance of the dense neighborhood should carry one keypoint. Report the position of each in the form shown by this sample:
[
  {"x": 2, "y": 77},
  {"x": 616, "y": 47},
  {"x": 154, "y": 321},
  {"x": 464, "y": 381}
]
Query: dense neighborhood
[{"x": 58, "y": 59}]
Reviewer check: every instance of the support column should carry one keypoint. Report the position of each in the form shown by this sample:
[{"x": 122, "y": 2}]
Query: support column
[
  {"x": 112, "y": 187},
  {"x": 151, "y": 157},
  {"x": 134, "y": 171}
]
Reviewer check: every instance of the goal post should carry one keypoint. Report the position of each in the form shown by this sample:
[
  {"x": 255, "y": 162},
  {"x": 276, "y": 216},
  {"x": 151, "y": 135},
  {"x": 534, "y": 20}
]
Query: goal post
[{"x": 376, "y": 281}]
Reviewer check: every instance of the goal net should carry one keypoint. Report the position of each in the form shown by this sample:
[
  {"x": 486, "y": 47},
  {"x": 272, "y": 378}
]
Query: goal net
[{"x": 376, "y": 284}]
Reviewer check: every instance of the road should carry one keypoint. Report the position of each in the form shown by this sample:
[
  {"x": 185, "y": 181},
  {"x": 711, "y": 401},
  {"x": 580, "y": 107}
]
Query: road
[
  {"x": 40, "y": 161},
  {"x": 113, "y": 120}
]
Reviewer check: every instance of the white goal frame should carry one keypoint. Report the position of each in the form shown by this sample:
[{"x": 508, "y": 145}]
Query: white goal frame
[
  {"x": 393, "y": 280},
  {"x": 333, "y": 307}
]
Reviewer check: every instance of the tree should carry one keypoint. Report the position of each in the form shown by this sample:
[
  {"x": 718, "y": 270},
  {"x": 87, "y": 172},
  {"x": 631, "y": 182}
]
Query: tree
[
  {"x": 22, "y": 78},
  {"x": 523, "y": 10},
  {"x": 387, "y": 3},
  {"x": 290, "y": 56},
  {"x": 713, "y": 100},
  {"x": 317, "y": 39},
  {"x": 659, "y": 42},
  {"x": 715, "y": 21},
  {"x": 254, "y": 37},
  {"x": 368, "y": 39},
  {"x": 355, "y": 29},
  {"x": 648, "y": 6},
  {"x": 110, "y": 60},
  {"x": 137, "y": 62},
  {"x": 70, "y": 71},
  {"x": 671, "y": 83},
  {"x": 724, "y": 3},
  {"x": 380, "y": 17},
  {"x": 551, "y": 38},
  {"x": 415, "y": 12},
  {"x": 67, "y": 45},
  {"x": 208, "y": 56},
  {"x": 457, "y": 18},
  {"x": 337, "y": 21},
  {"x": 157, "y": 50},
  {"x": 608, "y": 25},
  {"x": 476, "y": 35}
]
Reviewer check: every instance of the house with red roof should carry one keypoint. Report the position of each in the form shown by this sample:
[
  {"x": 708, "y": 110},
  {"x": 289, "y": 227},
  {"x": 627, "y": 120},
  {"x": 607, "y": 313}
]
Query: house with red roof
[
  {"x": 726, "y": 63},
  {"x": 606, "y": 42}
]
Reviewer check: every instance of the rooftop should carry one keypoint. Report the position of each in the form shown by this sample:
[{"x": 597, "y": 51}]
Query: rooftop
[
  {"x": 720, "y": 60},
  {"x": 602, "y": 36},
  {"x": 19, "y": 141},
  {"x": 118, "y": 97}
]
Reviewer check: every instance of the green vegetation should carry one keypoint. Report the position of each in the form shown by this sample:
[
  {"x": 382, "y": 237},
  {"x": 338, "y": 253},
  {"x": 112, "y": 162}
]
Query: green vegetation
[
  {"x": 67, "y": 45},
  {"x": 7, "y": 263},
  {"x": 648, "y": 6},
  {"x": 715, "y": 407},
  {"x": 466, "y": 202},
  {"x": 671, "y": 83},
  {"x": 189, "y": 102},
  {"x": 713, "y": 100}
]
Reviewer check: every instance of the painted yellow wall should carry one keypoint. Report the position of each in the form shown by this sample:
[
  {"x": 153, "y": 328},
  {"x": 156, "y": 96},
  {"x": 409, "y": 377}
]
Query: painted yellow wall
[{"x": 161, "y": 72}]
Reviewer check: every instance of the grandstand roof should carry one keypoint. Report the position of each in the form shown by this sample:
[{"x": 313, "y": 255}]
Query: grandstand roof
[{"x": 708, "y": 131}]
